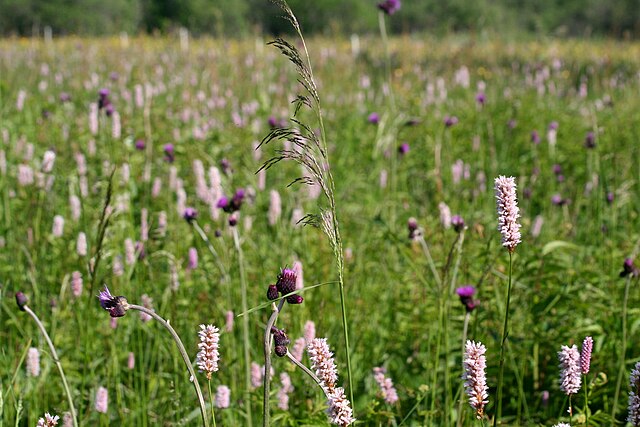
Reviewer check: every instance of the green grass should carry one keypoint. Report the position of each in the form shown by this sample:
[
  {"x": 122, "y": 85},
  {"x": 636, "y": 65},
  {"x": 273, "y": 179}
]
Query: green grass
[{"x": 565, "y": 283}]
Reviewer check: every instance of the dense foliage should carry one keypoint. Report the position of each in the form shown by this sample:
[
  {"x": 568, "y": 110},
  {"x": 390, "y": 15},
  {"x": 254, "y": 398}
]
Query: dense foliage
[{"x": 618, "y": 18}]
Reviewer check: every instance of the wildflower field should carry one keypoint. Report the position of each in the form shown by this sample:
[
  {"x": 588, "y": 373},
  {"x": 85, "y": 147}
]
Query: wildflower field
[{"x": 136, "y": 163}]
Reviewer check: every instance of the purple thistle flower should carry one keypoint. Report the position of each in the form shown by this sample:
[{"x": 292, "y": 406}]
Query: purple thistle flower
[
  {"x": 373, "y": 118},
  {"x": 140, "y": 144},
  {"x": 570, "y": 370},
  {"x": 223, "y": 202},
  {"x": 553, "y": 125},
  {"x": 450, "y": 121},
  {"x": 558, "y": 200},
  {"x": 475, "y": 381},
  {"x": 117, "y": 306},
  {"x": 481, "y": 98},
  {"x": 508, "y": 211},
  {"x": 585, "y": 355},
  {"x": 286, "y": 281},
  {"x": 628, "y": 269},
  {"x": 273, "y": 122},
  {"x": 414, "y": 229},
  {"x": 389, "y": 6},
  {"x": 610, "y": 197},
  {"x": 403, "y": 149},
  {"x": 21, "y": 300},
  {"x": 458, "y": 223},
  {"x": 466, "y": 294},
  {"x": 190, "y": 214},
  {"x": 109, "y": 109},
  {"x": 590, "y": 140},
  {"x": 535, "y": 137},
  {"x": 169, "y": 153},
  {"x": 281, "y": 341}
]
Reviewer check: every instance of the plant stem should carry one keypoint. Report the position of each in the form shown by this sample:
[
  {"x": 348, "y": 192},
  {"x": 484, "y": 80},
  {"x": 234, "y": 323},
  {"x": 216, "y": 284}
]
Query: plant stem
[
  {"x": 308, "y": 372},
  {"x": 54, "y": 354},
  {"x": 586, "y": 400},
  {"x": 505, "y": 331},
  {"x": 432, "y": 265},
  {"x": 465, "y": 328},
  {"x": 183, "y": 353},
  {"x": 245, "y": 325},
  {"x": 213, "y": 415},
  {"x": 266, "y": 413},
  {"x": 213, "y": 251},
  {"x": 623, "y": 351}
]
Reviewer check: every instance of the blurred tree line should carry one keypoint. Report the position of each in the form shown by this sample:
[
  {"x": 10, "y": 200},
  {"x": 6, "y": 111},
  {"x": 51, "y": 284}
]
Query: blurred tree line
[{"x": 237, "y": 18}]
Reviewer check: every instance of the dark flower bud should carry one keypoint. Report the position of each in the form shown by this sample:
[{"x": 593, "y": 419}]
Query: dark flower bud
[
  {"x": 272, "y": 292},
  {"x": 281, "y": 350},
  {"x": 279, "y": 337},
  {"x": 217, "y": 233},
  {"x": 286, "y": 281},
  {"x": 233, "y": 219},
  {"x": 535, "y": 137},
  {"x": 295, "y": 299},
  {"x": 590, "y": 140},
  {"x": 21, "y": 300},
  {"x": 466, "y": 294}
]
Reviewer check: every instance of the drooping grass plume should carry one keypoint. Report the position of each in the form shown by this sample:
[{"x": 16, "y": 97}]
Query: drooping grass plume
[{"x": 310, "y": 150}]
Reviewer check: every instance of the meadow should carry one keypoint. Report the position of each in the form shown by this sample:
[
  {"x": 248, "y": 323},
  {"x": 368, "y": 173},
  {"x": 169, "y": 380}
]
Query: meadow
[{"x": 142, "y": 129}]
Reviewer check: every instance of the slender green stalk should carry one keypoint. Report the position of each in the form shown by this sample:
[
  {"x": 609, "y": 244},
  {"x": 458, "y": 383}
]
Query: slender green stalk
[
  {"x": 266, "y": 413},
  {"x": 183, "y": 353},
  {"x": 308, "y": 372},
  {"x": 465, "y": 328},
  {"x": 245, "y": 325},
  {"x": 213, "y": 415},
  {"x": 385, "y": 42},
  {"x": 432, "y": 265},
  {"x": 212, "y": 249},
  {"x": 586, "y": 400},
  {"x": 54, "y": 354},
  {"x": 623, "y": 350},
  {"x": 505, "y": 331}
]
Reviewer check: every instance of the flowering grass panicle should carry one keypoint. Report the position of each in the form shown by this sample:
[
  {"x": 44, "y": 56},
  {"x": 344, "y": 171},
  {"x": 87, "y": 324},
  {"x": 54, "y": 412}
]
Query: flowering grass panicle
[
  {"x": 634, "y": 397},
  {"x": 508, "y": 211},
  {"x": 585, "y": 355},
  {"x": 570, "y": 370},
  {"x": 208, "y": 356},
  {"x": 475, "y": 381},
  {"x": 389, "y": 393},
  {"x": 48, "y": 420}
]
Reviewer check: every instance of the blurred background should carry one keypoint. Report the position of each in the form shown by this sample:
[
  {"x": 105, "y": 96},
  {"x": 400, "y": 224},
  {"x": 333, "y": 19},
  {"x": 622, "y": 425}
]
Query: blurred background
[{"x": 238, "y": 18}]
